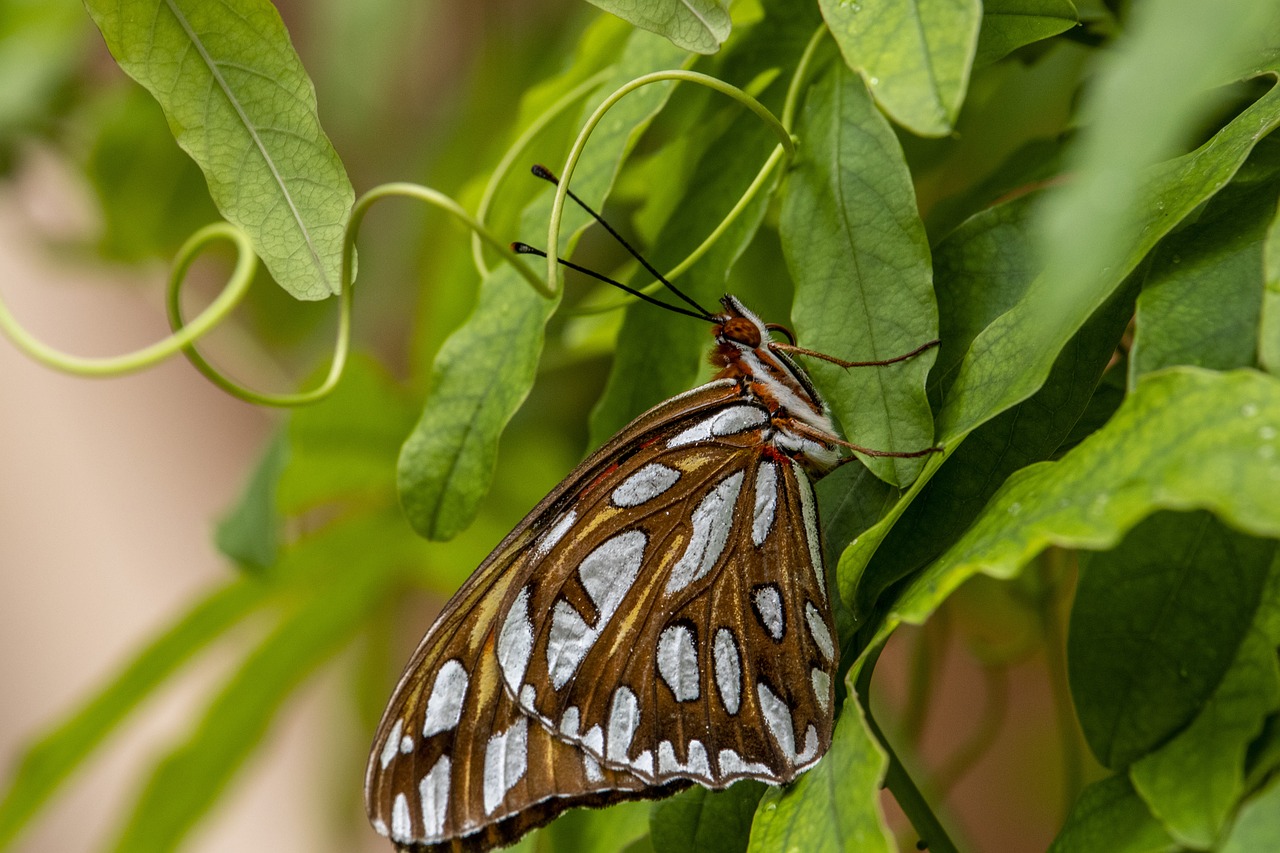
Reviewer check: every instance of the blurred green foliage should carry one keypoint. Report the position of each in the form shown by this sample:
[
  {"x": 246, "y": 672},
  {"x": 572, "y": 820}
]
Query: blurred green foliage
[{"x": 1079, "y": 199}]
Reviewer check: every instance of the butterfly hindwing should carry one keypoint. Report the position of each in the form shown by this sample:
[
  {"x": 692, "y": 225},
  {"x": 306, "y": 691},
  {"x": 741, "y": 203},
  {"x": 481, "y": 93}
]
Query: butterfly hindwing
[
  {"x": 678, "y": 627},
  {"x": 487, "y": 779}
]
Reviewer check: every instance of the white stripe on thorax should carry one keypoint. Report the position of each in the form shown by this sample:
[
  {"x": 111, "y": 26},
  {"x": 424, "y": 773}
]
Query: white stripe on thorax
[{"x": 791, "y": 402}]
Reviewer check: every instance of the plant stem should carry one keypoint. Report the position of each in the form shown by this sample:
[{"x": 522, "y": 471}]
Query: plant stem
[
  {"x": 896, "y": 778},
  {"x": 1055, "y": 645}
]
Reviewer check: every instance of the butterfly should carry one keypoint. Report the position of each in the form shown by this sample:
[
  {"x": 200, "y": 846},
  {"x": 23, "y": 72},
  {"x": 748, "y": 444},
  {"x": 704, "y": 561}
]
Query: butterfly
[{"x": 660, "y": 619}]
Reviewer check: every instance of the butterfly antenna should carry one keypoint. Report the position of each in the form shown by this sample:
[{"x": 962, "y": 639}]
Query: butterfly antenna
[
  {"x": 526, "y": 249},
  {"x": 546, "y": 174}
]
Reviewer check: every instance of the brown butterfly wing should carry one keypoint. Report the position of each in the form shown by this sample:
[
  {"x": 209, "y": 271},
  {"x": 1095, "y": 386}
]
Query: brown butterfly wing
[
  {"x": 450, "y": 725},
  {"x": 487, "y": 780},
  {"x": 682, "y": 630}
]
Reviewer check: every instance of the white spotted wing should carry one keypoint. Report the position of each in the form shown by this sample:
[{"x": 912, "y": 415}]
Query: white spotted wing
[
  {"x": 456, "y": 761},
  {"x": 679, "y": 626}
]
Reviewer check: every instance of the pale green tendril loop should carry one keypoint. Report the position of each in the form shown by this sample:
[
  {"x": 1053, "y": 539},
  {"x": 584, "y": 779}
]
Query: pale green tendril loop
[
  {"x": 185, "y": 333},
  {"x": 237, "y": 287},
  {"x": 517, "y": 149},
  {"x": 173, "y": 307},
  {"x": 342, "y": 344},
  {"x": 442, "y": 201},
  {"x": 784, "y": 151},
  {"x": 575, "y": 153}
]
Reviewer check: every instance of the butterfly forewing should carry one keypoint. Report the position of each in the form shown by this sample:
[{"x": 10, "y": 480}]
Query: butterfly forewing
[
  {"x": 445, "y": 759},
  {"x": 681, "y": 628}
]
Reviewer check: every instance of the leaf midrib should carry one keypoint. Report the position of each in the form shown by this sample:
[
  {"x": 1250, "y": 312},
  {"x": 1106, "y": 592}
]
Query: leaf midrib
[{"x": 253, "y": 135}]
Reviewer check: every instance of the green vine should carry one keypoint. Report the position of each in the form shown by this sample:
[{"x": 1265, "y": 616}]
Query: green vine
[
  {"x": 786, "y": 143},
  {"x": 185, "y": 333},
  {"x": 783, "y": 152},
  {"x": 224, "y": 304}
]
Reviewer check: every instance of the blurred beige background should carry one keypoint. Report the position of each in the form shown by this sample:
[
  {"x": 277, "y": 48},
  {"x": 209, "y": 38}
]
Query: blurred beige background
[{"x": 110, "y": 489}]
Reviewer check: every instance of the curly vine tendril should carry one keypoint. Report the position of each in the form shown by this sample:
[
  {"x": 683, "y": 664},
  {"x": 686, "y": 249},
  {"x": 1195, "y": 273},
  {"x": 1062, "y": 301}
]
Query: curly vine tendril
[
  {"x": 343, "y": 340},
  {"x": 575, "y": 153},
  {"x": 784, "y": 151},
  {"x": 513, "y": 156},
  {"x": 186, "y": 333},
  {"x": 237, "y": 286}
]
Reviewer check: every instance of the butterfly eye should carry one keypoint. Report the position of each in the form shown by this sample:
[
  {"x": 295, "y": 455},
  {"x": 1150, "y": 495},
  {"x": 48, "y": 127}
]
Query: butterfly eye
[{"x": 742, "y": 331}]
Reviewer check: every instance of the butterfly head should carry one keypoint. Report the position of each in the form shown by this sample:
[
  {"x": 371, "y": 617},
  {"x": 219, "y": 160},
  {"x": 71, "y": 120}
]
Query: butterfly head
[
  {"x": 737, "y": 330},
  {"x": 737, "y": 327}
]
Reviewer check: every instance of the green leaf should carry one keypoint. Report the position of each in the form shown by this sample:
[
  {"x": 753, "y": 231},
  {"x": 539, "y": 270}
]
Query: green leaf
[
  {"x": 481, "y": 376},
  {"x": 697, "y": 25},
  {"x": 859, "y": 257},
  {"x": 1269, "y": 322},
  {"x": 914, "y": 55},
  {"x": 1264, "y": 754},
  {"x": 1192, "y": 783},
  {"x": 240, "y": 103},
  {"x": 1110, "y": 816},
  {"x": 851, "y": 500},
  {"x": 1106, "y": 399},
  {"x": 151, "y": 194},
  {"x": 984, "y": 266},
  {"x": 703, "y": 821},
  {"x": 1010, "y": 24},
  {"x": 1258, "y": 825},
  {"x": 186, "y": 783},
  {"x": 599, "y": 830},
  {"x": 485, "y": 369},
  {"x": 833, "y": 807},
  {"x": 1201, "y": 302},
  {"x": 249, "y": 533},
  {"x": 1184, "y": 439},
  {"x": 1155, "y": 626},
  {"x": 981, "y": 270},
  {"x": 46, "y": 764},
  {"x": 1107, "y": 221}
]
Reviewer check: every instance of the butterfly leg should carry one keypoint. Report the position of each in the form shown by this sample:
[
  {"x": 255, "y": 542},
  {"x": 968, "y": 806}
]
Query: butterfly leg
[
  {"x": 792, "y": 348},
  {"x": 809, "y": 432}
]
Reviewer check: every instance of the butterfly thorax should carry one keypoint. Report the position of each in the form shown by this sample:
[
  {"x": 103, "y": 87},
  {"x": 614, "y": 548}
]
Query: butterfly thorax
[{"x": 802, "y": 423}]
